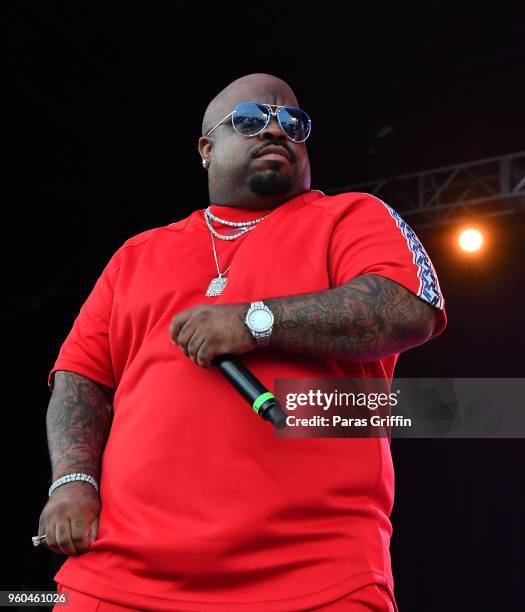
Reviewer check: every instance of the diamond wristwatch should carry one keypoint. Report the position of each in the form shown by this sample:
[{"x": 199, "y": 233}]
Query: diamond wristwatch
[{"x": 259, "y": 320}]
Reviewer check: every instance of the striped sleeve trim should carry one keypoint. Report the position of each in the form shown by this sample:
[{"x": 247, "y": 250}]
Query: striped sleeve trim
[{"x": 429, "y": 289}]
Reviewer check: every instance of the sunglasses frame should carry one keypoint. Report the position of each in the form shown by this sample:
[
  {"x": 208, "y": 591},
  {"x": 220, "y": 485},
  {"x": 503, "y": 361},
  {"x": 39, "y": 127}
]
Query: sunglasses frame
[{"x": 273, "y": 113}]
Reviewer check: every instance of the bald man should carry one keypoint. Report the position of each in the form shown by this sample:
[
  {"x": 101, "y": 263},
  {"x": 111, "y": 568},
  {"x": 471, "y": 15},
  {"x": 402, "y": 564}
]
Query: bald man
[{"x": 168, "y": 493}]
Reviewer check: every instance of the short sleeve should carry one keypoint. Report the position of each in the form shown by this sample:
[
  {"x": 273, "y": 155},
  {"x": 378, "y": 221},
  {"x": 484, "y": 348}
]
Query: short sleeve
[
  {"x": 370, "y": 237},
  {"x": 86, "y": 350}
]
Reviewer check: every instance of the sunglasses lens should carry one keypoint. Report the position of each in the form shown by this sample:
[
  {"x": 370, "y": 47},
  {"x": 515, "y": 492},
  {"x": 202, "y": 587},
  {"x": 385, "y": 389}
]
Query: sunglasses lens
[
  {"x": 249, "y": 118},
  {"x": 295, "y": 122}
]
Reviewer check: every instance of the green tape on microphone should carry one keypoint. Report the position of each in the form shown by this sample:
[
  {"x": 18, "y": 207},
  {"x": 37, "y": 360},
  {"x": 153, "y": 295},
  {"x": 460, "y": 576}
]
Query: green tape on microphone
[{"x": 261, "y": 399}]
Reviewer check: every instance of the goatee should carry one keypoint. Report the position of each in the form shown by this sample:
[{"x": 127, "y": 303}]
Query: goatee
[{"x": 270, "y": 182}]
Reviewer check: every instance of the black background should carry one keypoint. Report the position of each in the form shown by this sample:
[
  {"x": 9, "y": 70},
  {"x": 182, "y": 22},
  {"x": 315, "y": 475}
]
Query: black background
[{"x": 103, "y": 115}]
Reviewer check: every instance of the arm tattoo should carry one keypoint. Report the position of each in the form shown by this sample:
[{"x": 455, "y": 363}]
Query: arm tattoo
[
  {"x": 365, "y": 319},
  {"x": 78, "y": 423}
]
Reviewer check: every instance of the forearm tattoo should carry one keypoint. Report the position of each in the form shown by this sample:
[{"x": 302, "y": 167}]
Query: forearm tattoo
[
  {"x": 365, "y": 319},
  {"x": 78, "y": 423}
]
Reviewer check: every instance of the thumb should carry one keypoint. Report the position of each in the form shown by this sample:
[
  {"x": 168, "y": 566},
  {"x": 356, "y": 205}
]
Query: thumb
[{"x": 93, "y": 532}]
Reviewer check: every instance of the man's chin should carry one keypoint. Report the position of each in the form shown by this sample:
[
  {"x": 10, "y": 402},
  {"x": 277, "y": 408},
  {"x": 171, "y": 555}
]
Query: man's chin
[{"x": 270, "y": 183}]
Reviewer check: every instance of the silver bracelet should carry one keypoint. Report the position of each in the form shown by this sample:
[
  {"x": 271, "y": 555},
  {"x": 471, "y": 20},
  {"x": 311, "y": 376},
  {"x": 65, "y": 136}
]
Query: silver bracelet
[{"x": 71, "y": 478}]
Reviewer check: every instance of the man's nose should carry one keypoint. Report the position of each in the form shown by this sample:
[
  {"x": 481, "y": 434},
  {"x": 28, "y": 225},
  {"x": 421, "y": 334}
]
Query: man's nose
[{"x": 273, "y": 130}]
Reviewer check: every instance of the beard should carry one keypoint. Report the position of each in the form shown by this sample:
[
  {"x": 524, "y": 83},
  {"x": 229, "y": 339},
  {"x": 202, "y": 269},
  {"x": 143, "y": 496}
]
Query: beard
[{"x": 270, "y": 182}]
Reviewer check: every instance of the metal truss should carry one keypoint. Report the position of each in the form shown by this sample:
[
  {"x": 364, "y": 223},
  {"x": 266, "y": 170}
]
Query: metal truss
[{"x": 487, "y": 187}]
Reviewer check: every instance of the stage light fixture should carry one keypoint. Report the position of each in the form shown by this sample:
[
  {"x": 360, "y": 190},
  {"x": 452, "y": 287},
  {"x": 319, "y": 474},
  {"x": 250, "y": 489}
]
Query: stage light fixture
[{"x": 470, "y": 240}]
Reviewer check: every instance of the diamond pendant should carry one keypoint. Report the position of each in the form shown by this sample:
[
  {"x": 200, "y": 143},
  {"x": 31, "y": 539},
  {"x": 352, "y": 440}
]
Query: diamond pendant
[{"x": 216, "y": 286}]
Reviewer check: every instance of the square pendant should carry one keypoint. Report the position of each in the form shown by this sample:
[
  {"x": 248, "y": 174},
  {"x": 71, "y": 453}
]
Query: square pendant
[{"x": 216, "y": 286}]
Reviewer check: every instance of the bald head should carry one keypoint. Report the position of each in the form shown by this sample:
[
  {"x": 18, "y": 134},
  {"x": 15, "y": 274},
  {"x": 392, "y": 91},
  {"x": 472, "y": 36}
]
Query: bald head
[{"x": 253, "y": 87}]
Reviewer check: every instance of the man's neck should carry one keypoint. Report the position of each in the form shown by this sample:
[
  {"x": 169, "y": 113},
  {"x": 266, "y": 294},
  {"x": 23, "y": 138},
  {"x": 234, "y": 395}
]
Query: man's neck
[{"x": 253, "y": 201}]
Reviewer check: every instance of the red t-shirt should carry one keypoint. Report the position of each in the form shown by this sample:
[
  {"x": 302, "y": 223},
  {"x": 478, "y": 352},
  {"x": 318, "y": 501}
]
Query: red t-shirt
[{"x": 203, "y": 508}]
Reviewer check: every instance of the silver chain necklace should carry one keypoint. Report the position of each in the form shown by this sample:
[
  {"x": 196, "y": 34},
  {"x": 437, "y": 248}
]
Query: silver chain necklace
[
  {"x": 217, "y": 285},
  {"x": 246, "y": 226},
  {"x": 232, "y": 223}
]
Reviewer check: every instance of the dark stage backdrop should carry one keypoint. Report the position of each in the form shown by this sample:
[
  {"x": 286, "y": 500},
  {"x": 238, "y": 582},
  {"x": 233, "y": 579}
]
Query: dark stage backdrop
[{"x": 104, "y": 111}]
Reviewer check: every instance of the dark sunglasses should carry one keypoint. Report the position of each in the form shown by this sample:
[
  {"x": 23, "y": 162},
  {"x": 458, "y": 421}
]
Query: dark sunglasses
[{"x": 251, "y": 118}]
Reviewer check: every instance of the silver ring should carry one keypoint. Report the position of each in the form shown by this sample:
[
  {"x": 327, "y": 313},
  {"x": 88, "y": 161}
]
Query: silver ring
[{"x": 38, "y": 539}]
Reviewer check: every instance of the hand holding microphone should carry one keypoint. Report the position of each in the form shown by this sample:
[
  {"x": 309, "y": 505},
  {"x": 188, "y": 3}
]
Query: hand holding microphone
[
  {"x": 259, "y": 320},
  {"x": 210, "y": 333}
]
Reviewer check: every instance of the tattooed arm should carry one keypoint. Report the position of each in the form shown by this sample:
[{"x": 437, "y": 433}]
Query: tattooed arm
[
  {"x": 365, "y": 319},
  {"x": 78, "y": 424}
]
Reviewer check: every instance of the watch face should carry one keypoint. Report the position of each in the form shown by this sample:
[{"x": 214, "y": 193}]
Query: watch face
[{"x": 260, "y": 320}]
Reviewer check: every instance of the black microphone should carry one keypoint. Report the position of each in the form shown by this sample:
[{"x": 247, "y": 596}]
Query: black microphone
[{"x": 261, "y": 400}]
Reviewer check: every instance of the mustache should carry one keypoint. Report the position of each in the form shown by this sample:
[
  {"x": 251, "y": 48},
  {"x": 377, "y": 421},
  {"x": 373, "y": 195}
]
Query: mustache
[{"x": 272, "y": 143}]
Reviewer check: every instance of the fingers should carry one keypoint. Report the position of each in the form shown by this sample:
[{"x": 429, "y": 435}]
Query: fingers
[
  {"x": 193, "y": 343},
  {"x": 205, "y": 331},
  {"x": 80, "y": 534},
  {"x": 58, "y": 537},
  {"x": 93, "y": 532},
  {"x": 198, "y": 350},
  {"x": 177, "y": 324},
  {"x": 184, "y": 337},
  {"x": 204, "y": 355},
  {"x": 68, "y": 536},
  {"x": 50, "y": 533},
  {"x": 63, "y": 537}
]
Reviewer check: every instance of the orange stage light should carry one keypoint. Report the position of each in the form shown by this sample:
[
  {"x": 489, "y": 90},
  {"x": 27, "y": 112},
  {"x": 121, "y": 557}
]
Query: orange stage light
[{"x": 470, "y": 240}]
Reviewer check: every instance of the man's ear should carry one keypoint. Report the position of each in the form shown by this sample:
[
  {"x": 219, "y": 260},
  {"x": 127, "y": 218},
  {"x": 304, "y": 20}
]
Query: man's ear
[{"x": 205, "y": 146}]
